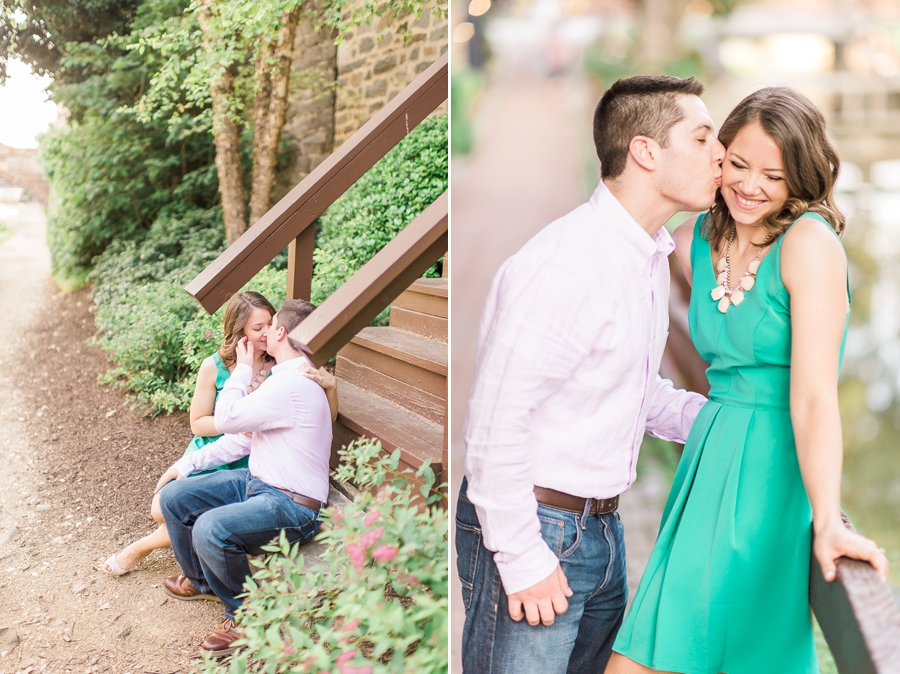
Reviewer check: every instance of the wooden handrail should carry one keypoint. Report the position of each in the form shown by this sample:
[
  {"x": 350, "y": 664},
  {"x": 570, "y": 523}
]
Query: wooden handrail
[
  {"x": 289, "y": 218},
  {"x": 858, "y": 615},
  {"x": 353, "y": 305}
]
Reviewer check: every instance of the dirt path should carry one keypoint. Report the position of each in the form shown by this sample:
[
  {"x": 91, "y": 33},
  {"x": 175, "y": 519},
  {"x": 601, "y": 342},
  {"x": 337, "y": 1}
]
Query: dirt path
[{"x": 78, "y": 472}]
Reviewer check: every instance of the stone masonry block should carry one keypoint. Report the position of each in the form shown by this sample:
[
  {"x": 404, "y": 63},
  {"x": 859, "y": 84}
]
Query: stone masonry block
[
  {"x": 385, "y": 64},
  {"x": 378, "y": 88}
]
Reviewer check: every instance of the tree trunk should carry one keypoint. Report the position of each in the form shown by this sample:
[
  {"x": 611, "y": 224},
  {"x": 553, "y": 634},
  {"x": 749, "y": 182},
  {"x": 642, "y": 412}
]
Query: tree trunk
[
  {"x": 270, "y": 113},
  {"x": 227, "y": 133}
]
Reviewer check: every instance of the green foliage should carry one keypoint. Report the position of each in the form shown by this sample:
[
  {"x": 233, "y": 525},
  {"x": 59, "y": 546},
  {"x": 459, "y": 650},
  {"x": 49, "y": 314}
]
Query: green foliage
[
  {"x": 5, "y": 232},
  {"x": 40, "y": 32},
  {"x": 158, "y": 336},
  {"x": 112, "y": 174},
  {"x": 371, "y": 213},
  {"x": 376, "y": 603},
  {"x": 465, "y": 86}
]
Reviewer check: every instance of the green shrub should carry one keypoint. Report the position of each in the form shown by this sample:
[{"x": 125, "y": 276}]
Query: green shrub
[
  {"x": 377, "y": 603},
  {"x": 384, "y": 201},
  {"x": 158, "y": 336}
]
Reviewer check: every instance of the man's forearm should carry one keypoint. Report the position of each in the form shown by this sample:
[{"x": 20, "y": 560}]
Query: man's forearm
[
  {"x": 671, "y": 412},
  {"x": 226, "y": 449}
]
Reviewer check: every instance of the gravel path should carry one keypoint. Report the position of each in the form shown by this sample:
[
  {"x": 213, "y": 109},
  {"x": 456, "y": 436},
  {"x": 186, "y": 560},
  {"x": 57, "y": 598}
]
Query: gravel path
[{"x": 79, "y": 471}]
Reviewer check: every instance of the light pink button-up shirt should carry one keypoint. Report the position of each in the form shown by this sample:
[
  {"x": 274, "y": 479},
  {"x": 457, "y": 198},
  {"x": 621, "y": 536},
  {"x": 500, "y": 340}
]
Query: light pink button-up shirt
[
  {"x": 566, "y": 377},
  {"x": 291, "y": 424}
]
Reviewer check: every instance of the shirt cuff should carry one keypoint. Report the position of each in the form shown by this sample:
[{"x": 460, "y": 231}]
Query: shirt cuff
[
  {"x": 184, "y": 465},
  {"x": 240, "y": 377},
  {"x": 526, "y": 570}
]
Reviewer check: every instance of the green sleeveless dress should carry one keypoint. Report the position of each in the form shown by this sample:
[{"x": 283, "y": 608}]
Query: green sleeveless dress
[
  {"x": 222, "y": 375},
  {"x": 727, "y": 585}
]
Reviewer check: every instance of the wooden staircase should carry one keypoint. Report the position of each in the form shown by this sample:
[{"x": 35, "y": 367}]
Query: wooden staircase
[{"x": 393, "y": 380}]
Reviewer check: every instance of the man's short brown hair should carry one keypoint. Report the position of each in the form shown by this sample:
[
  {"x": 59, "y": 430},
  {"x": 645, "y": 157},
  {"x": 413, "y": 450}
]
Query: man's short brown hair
[
  {"x": 293, "y": 312},
  {"x": 646, "y": 105}
]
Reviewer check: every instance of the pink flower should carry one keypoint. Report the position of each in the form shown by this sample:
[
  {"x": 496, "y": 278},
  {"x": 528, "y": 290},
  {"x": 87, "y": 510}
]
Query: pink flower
[
  {"x": 371, "y": 517},
  {"x": 383, "y": 553},
  {"x": 408, "y": 579},
  {"x": 371, "y": 538},
  {"x": 351, "y": 626},
  {"x": 337, "y": 516},
  {"x": 208, "y": 334},
  {"x": 365, "y": 669},
  {"x": 357, "y": 554},
  {"x": 345, "y": 657},
  {"x": 289, "y": 650}
]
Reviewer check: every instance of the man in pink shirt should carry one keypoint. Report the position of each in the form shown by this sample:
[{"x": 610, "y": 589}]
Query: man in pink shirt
[{"x": 566, "y": 384}]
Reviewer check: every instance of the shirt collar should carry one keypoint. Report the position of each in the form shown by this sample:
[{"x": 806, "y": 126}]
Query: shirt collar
[
  {"x": 285, "y": 365},
  {"x": 638, "y": 244}
]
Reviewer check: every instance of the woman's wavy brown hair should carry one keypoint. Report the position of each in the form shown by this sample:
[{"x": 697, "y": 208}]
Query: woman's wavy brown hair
[
  {"x": 811, "y": 164},
  {"x": 237, "y": 313}
]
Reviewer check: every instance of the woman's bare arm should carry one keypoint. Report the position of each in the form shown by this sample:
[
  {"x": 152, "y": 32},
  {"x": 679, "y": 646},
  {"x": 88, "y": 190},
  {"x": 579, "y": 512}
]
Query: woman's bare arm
[
  {"x": 814, "y": 269},
  {"x": 204, "y": 401}
]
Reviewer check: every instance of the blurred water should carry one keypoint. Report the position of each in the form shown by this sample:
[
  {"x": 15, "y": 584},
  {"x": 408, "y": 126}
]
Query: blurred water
[{"x": 870, "y": 379}]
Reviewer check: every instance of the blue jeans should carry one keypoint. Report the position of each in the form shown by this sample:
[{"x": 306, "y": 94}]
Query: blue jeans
[
  {"x": 591, "y": 551},
  {"x": 216, "y": 520}
]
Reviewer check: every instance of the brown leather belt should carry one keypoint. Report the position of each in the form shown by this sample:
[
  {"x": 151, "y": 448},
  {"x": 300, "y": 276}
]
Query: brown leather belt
[
  {"x": 300, "y": 499},
  {"x": 574, "y": 504}
]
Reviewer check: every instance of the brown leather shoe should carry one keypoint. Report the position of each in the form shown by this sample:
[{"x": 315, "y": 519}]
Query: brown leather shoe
[
  {"x": 218, "y": 644},
  {"x": 182, "y": 588}
]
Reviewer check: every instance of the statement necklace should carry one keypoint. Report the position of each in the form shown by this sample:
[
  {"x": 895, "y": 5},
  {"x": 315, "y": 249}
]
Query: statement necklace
[{"x": 724, "y": 293}]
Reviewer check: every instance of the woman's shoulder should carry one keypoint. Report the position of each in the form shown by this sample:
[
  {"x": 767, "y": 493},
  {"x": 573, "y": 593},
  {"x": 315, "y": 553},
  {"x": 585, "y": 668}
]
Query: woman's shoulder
[
  {"x": 683, "y": 234},
  {"x": 812, "y": 245},
  {"x": 811, "y": 231}
]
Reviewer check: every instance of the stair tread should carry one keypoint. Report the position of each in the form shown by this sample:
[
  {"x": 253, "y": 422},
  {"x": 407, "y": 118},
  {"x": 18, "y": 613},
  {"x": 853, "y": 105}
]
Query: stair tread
[
  {"x": 428, "y": 353},
  {"x": 431, "y": 286},
  {"x": 369, "y": 414}
]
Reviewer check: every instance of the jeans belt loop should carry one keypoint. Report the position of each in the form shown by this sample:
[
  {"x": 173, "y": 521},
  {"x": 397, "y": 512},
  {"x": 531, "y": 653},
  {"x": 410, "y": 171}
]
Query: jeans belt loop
[{"x": 587, "y": 510}]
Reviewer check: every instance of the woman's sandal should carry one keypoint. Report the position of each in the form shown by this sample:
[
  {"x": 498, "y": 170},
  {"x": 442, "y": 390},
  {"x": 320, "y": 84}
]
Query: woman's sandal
[{"x": 112, "y": 568}]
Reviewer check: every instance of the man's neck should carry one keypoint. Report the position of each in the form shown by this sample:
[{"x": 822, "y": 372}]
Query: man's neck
[
  {"x": 650, "y": 214},
  {"x": 285, "y": 355}
]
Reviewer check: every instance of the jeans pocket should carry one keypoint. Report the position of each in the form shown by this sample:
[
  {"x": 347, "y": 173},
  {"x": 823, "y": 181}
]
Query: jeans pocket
[
  {"x": 468, "y": 548},
  {"x": 559, "y": 530}
]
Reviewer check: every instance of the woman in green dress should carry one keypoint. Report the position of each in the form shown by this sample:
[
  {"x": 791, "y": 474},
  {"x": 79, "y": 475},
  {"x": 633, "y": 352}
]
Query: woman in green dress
[
  {"x": 726, "y": 588},
  {"x": 249, "y": 315}
]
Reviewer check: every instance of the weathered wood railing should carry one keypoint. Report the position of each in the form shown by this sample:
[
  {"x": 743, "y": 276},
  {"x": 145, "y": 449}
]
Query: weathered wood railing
[
  {"x": 859, "y": 617},
  {"x": 353, "y": 306},
  {"x": 290, "y": 222}
]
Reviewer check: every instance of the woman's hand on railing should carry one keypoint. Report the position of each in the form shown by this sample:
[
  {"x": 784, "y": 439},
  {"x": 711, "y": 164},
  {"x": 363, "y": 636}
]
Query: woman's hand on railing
[{"x": 836, "y": 540}]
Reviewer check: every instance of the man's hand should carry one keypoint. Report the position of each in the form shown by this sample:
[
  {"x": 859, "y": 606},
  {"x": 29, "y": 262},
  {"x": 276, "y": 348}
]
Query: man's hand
[
  {"x": 243, "y": 352},
  {"x": 167, "y": 477},
  {"x": 541, "y": 603},
  {"x": 321, "y": 376}
]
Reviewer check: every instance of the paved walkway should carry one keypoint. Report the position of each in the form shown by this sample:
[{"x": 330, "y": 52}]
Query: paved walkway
[{"x": 528, "y": 169}]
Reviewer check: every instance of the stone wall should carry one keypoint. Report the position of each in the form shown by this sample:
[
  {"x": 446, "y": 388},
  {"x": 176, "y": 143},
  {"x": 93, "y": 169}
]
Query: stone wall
[
  {"x": 375, "y": 64},
  {"x": 340, "y": 88}
]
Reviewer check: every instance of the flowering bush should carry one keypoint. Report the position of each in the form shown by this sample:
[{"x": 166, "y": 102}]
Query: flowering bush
[{"x": 378, "y": 601}]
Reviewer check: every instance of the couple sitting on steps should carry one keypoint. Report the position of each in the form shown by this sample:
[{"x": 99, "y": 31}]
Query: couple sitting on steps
[{"x": 235, "y": 505}]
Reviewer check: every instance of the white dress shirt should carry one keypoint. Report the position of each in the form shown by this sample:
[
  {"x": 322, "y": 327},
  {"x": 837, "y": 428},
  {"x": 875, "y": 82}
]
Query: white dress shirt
[
  {"x": 566, "y": 377},
  {"x": 290, "y": 420}
]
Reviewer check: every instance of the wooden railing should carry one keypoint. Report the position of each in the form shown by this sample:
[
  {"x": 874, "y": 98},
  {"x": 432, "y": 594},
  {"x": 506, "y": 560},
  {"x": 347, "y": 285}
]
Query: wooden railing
[
  {"x": 858, "y": 615},
  {"x": 352, "y": 307},
  {"x": 290, "y": 222}
]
